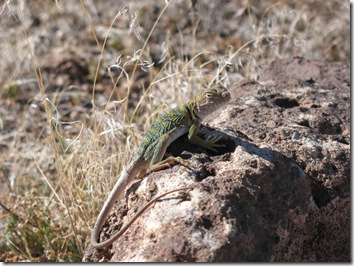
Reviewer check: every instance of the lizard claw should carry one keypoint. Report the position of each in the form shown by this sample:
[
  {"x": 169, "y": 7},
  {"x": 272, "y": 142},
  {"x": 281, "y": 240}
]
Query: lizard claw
[{"x": 211, "y": 143}]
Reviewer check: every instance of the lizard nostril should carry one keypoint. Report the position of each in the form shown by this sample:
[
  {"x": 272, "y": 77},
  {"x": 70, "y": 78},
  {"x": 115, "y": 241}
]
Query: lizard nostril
[{"x": 225, "y": 94}]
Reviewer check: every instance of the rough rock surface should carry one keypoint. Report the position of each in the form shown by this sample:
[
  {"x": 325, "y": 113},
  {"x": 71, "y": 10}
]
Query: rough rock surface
[{"x": 279, "y": 191}]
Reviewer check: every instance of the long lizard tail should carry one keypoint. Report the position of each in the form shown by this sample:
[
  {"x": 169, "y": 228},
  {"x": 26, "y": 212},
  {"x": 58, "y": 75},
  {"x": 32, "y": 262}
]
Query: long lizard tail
[{"x": 117, "y": 190}]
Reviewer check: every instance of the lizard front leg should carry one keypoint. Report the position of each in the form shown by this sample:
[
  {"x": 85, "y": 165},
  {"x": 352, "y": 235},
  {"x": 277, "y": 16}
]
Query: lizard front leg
[{"x": 209, "y": 143}]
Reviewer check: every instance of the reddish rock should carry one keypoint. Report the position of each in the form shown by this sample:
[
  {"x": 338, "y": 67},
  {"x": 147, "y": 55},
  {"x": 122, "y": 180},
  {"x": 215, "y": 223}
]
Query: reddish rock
[{"x": 279, "y": 191}]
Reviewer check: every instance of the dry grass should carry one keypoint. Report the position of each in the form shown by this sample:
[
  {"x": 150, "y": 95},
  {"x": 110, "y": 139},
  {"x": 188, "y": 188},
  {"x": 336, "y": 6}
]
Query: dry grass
[{"x": 81, "y": 80}]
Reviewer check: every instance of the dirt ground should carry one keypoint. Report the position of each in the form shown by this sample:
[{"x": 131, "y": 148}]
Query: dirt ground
[{"x": 80, "y": 80}]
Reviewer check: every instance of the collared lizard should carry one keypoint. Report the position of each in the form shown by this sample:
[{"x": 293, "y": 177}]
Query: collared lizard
[{"x": 169, "y": 126}]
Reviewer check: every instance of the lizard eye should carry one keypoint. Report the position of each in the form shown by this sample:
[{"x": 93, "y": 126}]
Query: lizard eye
[{"x": 210, "y": 94}]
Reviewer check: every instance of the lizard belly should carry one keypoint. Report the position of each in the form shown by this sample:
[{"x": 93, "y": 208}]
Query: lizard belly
[{"x": 176, "y": 133}]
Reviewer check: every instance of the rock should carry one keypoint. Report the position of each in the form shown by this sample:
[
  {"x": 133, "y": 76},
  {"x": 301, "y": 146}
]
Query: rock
[{"x": 278, "y": 191}]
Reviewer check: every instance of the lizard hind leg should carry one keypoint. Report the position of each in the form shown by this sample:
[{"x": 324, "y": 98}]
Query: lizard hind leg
[
  {"x": 156, "y": 162},
  {"x": 168, "y": 162},
  {"x": 142, "y": 173}
]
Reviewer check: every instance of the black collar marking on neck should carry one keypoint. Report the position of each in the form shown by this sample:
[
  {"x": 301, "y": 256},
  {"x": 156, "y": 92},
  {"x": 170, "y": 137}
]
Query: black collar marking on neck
[{"x": 190, "y": 112}]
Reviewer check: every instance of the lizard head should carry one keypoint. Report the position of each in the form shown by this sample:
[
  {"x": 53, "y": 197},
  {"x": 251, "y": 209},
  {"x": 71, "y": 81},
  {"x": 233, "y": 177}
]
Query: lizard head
[{"x": 209, "y": 100}]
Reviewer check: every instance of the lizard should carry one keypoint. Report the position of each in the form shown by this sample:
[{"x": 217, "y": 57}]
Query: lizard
[{"x": 167, "y": 127}]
